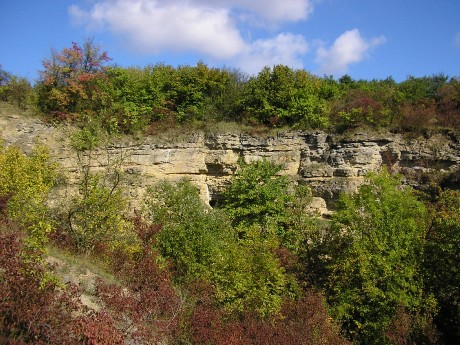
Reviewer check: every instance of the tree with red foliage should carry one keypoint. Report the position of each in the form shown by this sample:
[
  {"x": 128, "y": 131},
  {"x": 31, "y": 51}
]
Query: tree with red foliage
[
  {"x": 448, "y": 107},
  {"x": 358, "y": 108},
  {"x": 69, "y": 82}
]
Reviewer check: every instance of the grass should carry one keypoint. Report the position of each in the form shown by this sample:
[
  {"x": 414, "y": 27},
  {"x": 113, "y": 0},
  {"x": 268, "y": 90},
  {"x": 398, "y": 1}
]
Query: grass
[
  {"x": 79, "y": 264},
  {"x": 7, "y": 108}
]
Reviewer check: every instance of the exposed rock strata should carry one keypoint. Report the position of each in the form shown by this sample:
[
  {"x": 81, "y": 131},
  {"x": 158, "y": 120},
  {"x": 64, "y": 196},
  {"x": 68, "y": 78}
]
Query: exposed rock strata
[{"x": 330, "y": 164}]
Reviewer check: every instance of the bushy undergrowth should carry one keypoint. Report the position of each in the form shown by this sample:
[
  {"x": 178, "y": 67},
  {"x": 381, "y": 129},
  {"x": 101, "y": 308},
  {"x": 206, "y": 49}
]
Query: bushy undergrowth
[
  {"x": 304, "y": 321},
  {"x": 203, "y": 245},
  {"x": 25, "y": 182},
  {"x": 257, "y": 269},
  {"x": 36, "y": 310}
]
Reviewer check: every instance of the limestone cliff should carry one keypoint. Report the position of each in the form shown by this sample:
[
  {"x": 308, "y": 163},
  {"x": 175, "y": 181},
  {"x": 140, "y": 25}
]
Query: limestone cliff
[{"x": 329, "y": 163}]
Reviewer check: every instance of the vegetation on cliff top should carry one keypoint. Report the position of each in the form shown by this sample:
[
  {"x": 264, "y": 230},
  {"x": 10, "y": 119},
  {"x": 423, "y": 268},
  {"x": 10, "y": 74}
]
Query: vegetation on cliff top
[{"x": 78, "y": 84}]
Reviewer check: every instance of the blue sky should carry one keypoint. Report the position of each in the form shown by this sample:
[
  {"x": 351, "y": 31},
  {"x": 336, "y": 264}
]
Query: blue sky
[{"x": 366, "y": 39}]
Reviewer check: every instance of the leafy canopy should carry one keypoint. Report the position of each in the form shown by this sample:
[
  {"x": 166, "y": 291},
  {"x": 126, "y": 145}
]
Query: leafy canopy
[
  {"x": 203, "y": 246},
  {"x": 442, "y": 263},
  {"x": 378, "y": 268},
  {"x": 25, "y": 182},
  {"x": 257, "y": 196}
]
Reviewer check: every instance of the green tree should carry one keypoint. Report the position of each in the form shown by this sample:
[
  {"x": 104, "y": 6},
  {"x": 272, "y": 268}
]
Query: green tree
[
  {"x": 281, "y": 96},
  {"x": 228, "y": 99},
  {"x": 257, "y": 196},
  {"x": 442, "y": 263},
  {"x": 190, "y": 234},
  {"x": 428, "y": 87},
  {"x": 4, "y": 76},
  {"x": 20, "y": 92},
  {"x": 15, "y": 89},
  {"x": 95, "y": 216},
  {"x": 378, "y": 270},
  {"x": 135, "y": 95},
  {"x": 202, "y": 245},
  {"x": 25, "y": 182}
]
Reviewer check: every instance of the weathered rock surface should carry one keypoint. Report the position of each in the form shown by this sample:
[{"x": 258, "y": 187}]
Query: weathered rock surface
[{"x": 330, "y": 164}]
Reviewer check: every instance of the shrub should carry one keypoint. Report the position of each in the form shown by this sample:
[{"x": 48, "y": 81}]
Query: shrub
[
  {"x": 26, "y": 180},
  {"x": 95, "y": 217},
  {"x": 282, "y": 96},
  {"x": 300, "y": 322},
  {"x": 32, "y": 309},
  {"x": 15, "y": 89},
  {"x": 147, "y": 307},
  {"x": 441, "y": 263},
  {"x": 98, "y": 328},
  {"x": 202, "y": 245},
  {"x": 256, "y": 196},
  {"x": 378, "y": 268}
]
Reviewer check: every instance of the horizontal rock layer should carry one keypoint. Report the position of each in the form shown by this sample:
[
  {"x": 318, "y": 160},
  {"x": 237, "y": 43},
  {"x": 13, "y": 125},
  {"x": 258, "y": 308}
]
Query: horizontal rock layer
[{"x": 329, "y": 163}]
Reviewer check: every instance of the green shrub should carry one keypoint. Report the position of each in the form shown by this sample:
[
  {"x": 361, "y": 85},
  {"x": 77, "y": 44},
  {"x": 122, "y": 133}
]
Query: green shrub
[
  {"x": 26, "y": 182},
  {"x": 202, "y": 245},
  {"x": 442, "y": 262},
  {"x": 257, "y": 196},
  {"x": 94, "y": 216},
  {"x": 377, "y": 269},
  {"x": 87, "y": 138}
]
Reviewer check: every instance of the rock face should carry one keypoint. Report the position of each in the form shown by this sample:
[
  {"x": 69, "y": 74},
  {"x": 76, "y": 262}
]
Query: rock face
[{"x": 330, "y": 164}]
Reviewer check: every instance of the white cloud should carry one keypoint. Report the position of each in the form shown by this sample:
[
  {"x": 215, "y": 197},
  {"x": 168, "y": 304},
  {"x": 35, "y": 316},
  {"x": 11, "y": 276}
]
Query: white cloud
[
  {"x": 348, "y": 48},
  {"x": 457, "y": 39},
  {"x": 213, "y": 29},
  {"x": 285, "y": 49},
  {"x": 281, "y": 11},
  {"x": 210, "y": 28},
  {"x": 151, "y": 27}
]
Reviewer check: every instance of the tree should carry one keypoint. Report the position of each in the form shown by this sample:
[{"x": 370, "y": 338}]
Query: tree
[
  {"x": 14, "y": 89},
  {"x": 448, "y": 107},
  {"x": 245, "y": 275},
  {"x": 282, "y": 96},
  {"x": 442, "y": 263},
  {"x": 135, "y": 94},
  {"x": 69, "y": 82},
  {"x": 25, "y": 182},
  {"x": 378, "y": 270},
  {"x": 190, "y": 236},
  {"x": 5, "y": 78},
  {"x": 94, "y": 217},
  {"x": 257, "y": 196}
]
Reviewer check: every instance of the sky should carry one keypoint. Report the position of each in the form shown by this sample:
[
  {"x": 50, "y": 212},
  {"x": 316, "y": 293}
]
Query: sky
[{"x": 366, "y": 39}]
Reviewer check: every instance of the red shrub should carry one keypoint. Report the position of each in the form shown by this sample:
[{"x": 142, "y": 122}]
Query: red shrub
[
  {"x": 31, "y": 311},
  {"x": 448, "y": 107},
  {"x": 147, "y": 308},
  {"x": 419, "y": 115},
  {"x": 98, "y": 329},
  {"x": 301, "y": 322}
]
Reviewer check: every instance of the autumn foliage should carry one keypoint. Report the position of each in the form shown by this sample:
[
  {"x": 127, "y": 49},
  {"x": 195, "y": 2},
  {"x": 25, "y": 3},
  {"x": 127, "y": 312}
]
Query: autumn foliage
[
  {"x": 78, "y": 84},
  {"x": 255, "y": 269},
  {"x": 300, "y": 322},
  {"x": 68, "y": 86}
]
